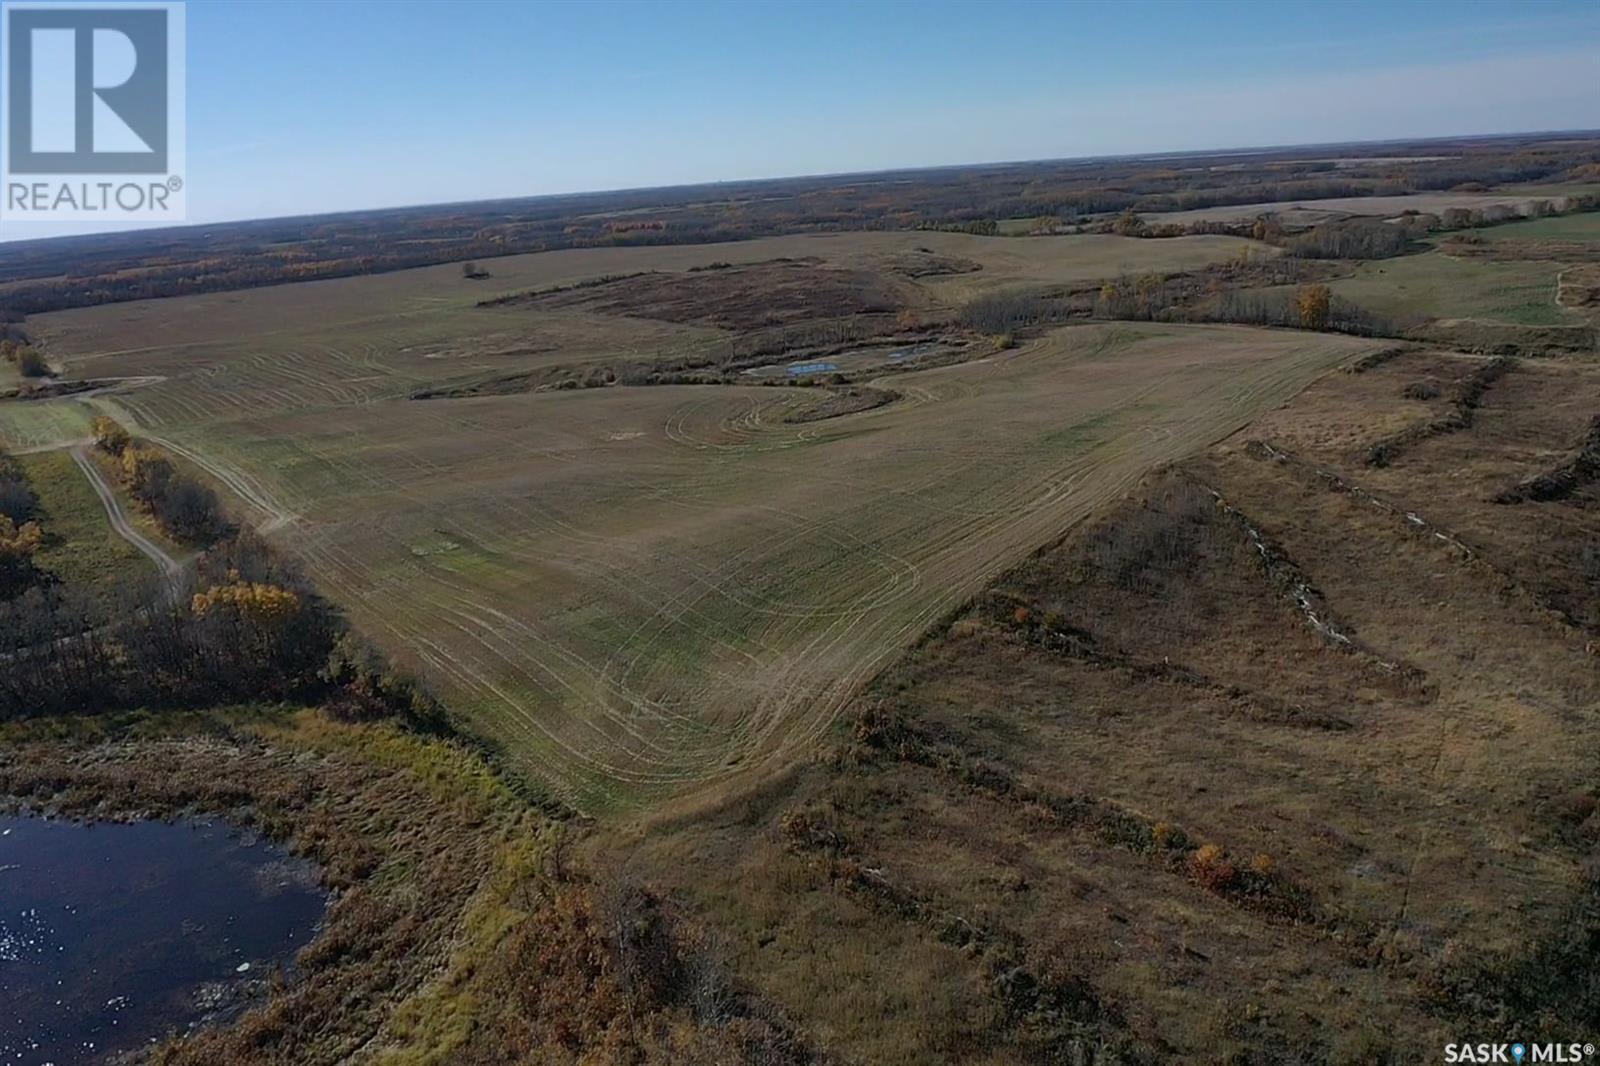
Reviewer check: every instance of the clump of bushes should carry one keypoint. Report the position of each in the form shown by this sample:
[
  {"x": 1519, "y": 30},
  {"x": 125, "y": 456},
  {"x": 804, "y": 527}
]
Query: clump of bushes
[
  {"x": 1355, "y": 238},
  {"x": 241, "y": 625},
  {"x": 1192, "y": 298},
  {"x": 364, "y": 687},
  {"x": 1297, "y": 310},
  {"x": 1208, "y": 867},
  {"x": 238, "y": 628},
  {"x": 183, "y": 507},
  {"x": 30, "y": 362},
  {"x": 18, "y": 543},
  {"x": 238, "y": 625},
  {"x": 20, "y": 536},
  {"x": 1005, "y": 312}
]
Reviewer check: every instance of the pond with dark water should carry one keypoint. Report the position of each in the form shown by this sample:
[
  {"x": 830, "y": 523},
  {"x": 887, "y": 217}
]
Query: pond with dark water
[
  {"x": 116, "y": 935},
  {"x": 859, "y": 359}
]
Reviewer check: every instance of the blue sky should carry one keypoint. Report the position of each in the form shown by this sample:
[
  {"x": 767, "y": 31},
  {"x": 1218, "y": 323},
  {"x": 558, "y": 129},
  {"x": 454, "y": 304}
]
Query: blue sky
[{"x": 328, "y": 105}]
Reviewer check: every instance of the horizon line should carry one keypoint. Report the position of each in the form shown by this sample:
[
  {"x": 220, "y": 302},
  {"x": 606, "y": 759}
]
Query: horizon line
[{"x": 135, "y": 229}]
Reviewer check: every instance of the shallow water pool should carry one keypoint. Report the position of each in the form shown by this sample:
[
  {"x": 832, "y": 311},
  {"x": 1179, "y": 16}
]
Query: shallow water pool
[{"x": 115, "y": 935}]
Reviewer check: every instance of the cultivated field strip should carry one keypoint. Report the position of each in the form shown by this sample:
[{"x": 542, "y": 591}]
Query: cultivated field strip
[{"x": 635, "y": 591}]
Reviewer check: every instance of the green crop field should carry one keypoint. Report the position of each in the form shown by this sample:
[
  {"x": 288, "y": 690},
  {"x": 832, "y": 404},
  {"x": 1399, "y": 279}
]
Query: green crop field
[
  {"x": 42, "y": 424},
  {"x": 1436, "y": 285},
  {"x": 1581, "y": 227}
]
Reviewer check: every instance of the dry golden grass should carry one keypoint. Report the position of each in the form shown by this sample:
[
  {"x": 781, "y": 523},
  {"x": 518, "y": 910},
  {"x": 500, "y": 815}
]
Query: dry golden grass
[
  {"x": 1400, "y": 809},
  {"x": 457, "y": 932}
]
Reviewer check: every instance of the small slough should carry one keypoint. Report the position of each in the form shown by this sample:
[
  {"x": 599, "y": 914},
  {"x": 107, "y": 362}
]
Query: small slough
[{"x": 116, "y": 935}]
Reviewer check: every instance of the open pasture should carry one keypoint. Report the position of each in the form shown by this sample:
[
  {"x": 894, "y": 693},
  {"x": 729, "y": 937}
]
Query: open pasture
[
  {"x": 1580, "y": 227},
  {"x": 1442, "y": 286},
  {"x": 636, "y": 590}
]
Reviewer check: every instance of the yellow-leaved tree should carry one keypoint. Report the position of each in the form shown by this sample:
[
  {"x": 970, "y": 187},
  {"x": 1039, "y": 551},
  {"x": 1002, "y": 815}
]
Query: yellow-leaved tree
[
  {"x": 108, "y": 435},
  {"x": 251, "y": 600},
  {"x": 1314, "y": 302},
  {"x": 18, "y": 542}
]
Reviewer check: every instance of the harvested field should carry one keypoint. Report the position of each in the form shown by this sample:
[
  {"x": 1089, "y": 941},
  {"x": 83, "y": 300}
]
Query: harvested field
[
  {"x": 397, "y": 316},
  {"x": 355, "y": 341},
  {"x": 634, "y": 591},
  {"x": 1279, "y": 756}
]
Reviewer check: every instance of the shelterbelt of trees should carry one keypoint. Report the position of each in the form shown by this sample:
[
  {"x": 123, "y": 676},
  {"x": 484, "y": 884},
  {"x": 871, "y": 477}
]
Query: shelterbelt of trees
[{"x": 237, "y": 624}]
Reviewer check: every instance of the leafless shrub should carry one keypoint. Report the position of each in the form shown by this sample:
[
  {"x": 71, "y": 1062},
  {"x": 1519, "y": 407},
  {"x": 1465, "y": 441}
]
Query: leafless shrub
[
  {"x": 1006, "y": 311},
  {"x": 1356, "y": 238},
  {"x": 1141, "y": 549}
]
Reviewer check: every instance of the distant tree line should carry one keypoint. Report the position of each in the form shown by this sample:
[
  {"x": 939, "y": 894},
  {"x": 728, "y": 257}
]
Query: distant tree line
[
  {"x": 1353, "y": 238},
  {"x": 80, "y": 271},
  {"x": 1350, "y": 238}
]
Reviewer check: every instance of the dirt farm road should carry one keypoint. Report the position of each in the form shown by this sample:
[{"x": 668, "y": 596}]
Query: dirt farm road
[{"x": 170, "y": 568}]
